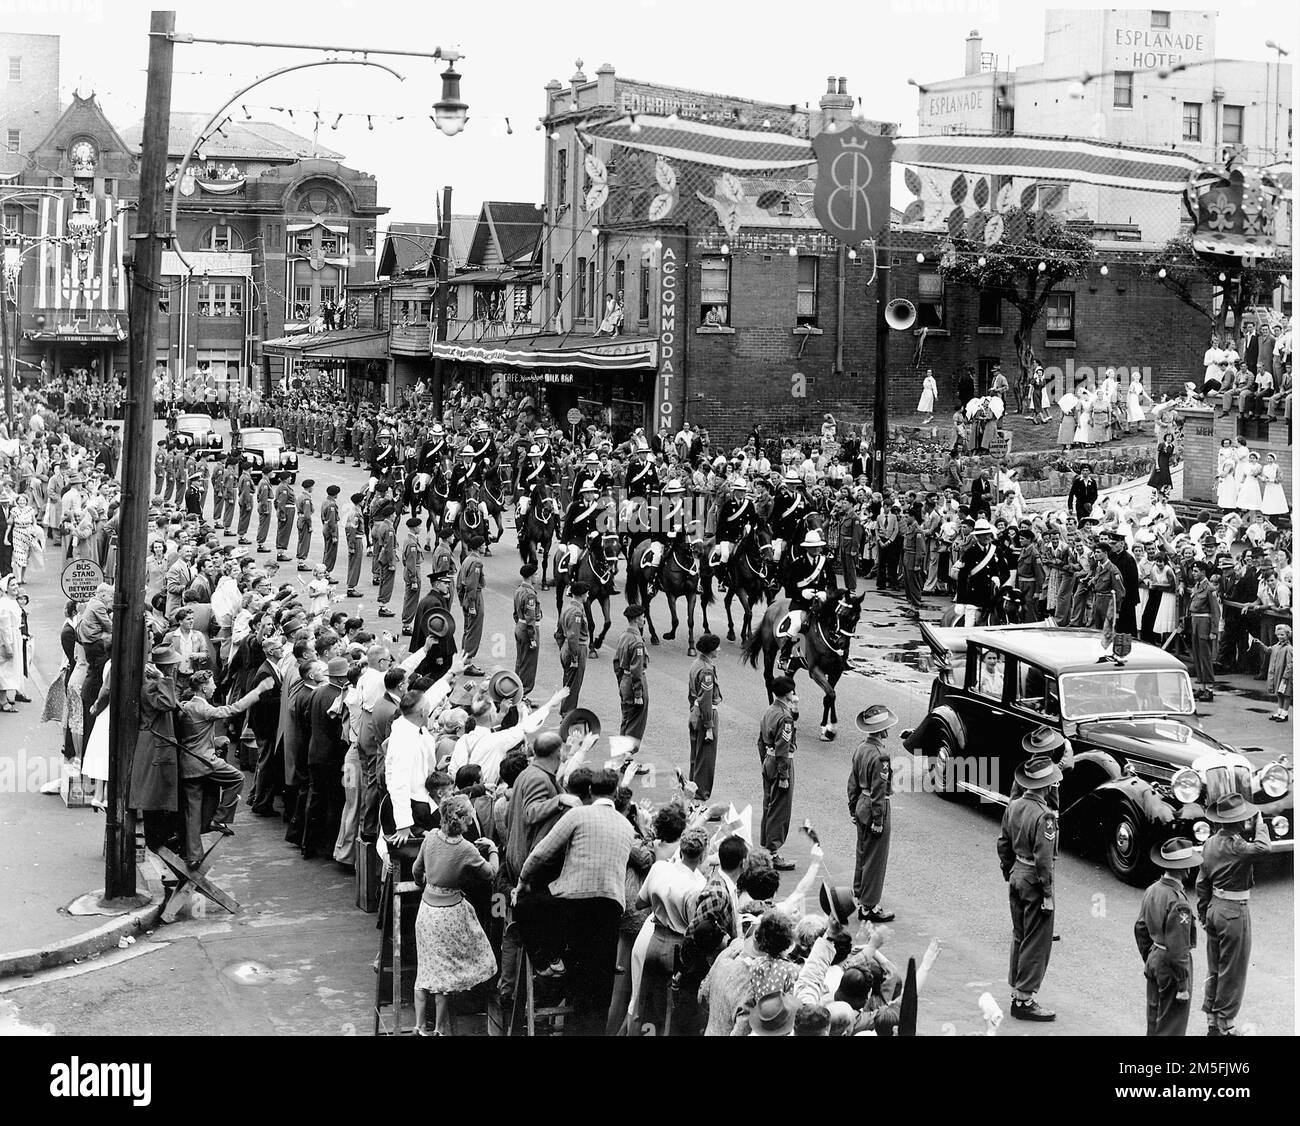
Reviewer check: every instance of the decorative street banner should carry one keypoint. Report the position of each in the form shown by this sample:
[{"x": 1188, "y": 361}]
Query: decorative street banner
[
  {"x": 1234, "y": 212},
  {"x": 672, "y": 333},
  {"x": 852, "y": 194}
]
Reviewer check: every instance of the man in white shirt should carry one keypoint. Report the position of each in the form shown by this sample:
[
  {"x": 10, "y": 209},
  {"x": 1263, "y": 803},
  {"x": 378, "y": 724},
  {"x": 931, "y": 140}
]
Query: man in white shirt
[
  {"x": 485, "y": 746},
  {"x": 411, "y": 756}
]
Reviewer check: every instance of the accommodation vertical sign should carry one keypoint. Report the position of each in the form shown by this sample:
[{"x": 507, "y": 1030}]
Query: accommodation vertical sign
[{"x": 672, "y": 333}]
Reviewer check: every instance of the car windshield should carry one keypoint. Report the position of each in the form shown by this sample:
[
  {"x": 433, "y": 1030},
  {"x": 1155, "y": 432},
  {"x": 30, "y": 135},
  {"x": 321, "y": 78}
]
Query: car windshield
[
  {"x": 199, "y": 420},
  {"x": 263, "y": 439},
  {"x": 1125, "y": 692}
]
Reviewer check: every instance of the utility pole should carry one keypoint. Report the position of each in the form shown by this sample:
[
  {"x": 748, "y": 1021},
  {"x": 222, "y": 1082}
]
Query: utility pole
[
  {"x": 880, "y": 396},
  {"x": 137, "y": 451},
  {"x": 443, "y": 254},
  {"x": 5, "y": 346}
]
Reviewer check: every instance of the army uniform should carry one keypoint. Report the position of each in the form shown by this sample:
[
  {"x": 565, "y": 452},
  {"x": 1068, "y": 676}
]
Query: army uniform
[
  {"x": 1223, "y": 903},
  {"x": 245, "y": 504},
  {"x": 218, "y": 495},
  {"x": 352, "y": 531},
  {"x": 340, "y": 437},
  {"x": 1027, "y": 853},
  {"x": 630, "y": 661},
  {"x": 469, "y": 590},
  {"x": 1166, "y": 936},
  {"x": 702, "y": 697},
  {"x": 305, "y": 507},
  {"x": 528, "y": 613},
  {"x": 384, "y": 562},
  {"x": 777, "y": 743},
  {"x": 573, "y": 650},
  {"x": 160, "y": 458},
  {"x": 329, "y": 521},
  {"x": 412, "y": 561},
  {"x": 263, "y": 511},
  {"x": 229, "y": 494},
  {"x": 870, "y": 783}
]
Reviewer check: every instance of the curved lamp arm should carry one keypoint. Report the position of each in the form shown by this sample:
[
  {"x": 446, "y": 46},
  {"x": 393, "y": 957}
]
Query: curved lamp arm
[{"x": 180, "y": 173}]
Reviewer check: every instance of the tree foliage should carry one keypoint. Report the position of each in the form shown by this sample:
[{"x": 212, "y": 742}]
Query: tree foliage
[{"x": 1195, "y": 281}]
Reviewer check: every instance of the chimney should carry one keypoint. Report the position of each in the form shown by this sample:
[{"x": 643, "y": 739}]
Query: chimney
[
  {"x": 605, "y": 84},
  {"x": 974, "y": 52},
  {"x": 836, "y": 104}
]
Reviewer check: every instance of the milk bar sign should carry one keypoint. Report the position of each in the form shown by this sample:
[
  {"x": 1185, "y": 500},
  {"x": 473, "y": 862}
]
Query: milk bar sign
[{"x": 80, "y": 578}]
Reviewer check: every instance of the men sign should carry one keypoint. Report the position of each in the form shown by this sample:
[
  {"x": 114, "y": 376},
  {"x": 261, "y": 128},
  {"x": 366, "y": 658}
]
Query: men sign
[{"x": 80, "y": 578}]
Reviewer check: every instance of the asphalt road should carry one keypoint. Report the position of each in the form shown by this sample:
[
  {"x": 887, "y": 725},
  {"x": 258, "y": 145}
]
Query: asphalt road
[{"x": 943, "y": 877}]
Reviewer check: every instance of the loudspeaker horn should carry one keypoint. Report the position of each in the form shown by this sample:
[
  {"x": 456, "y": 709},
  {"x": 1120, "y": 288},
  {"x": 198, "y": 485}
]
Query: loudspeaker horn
[{"x": 900, "y": 314}]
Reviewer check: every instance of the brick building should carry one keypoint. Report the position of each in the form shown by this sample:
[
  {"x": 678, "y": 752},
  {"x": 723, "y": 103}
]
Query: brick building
[{"x": 29, "y": 96}]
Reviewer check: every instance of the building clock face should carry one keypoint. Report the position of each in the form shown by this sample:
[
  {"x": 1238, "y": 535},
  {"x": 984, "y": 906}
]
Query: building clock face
[{"x": 84, "y": 152}]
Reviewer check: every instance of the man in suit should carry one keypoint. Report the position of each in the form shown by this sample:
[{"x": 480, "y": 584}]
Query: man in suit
[
  {"x": 325, "y": 753},
  {"x": 179, "y": 576},
  {"x": 595, "y": 841},
  {"x": 1083, "y": 493},
  {"x": 376, "y": 724},
  {"x": 1126, "y": 608},
  {"x": 263, "y": 718},
  {"x": 297, "y": 736},
  {"x": 980, "y": 499},
  {"x": 1240, "y": 588}
]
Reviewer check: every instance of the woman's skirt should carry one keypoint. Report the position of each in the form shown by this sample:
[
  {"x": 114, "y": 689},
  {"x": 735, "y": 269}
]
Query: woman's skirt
[
  {"x": 926, "y": 403},
  {"x": 1249, "y": 498},
  {"x": 1274, "y": 499},
  {"x": 1166, "y": 620},
  {"x": 94, "y": 761},
  {"x": 453, "y": 953},
  {"x": 1065, "y": 432},
  {"x": 1226, "y": 495},
  {"x": 1135, "y": 411}
]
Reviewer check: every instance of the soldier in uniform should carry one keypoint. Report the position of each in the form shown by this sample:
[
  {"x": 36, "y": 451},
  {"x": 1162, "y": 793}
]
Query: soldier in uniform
[
  {"x": 360, "y": 436},
  {"x": 160, "y": 460},
  {"x": 440, "y": 561},
  {"x": 777, "y": 742},
  {"x": 229, "y": 495},
  {"x": 1165, "y": 936},
  {"x": 810, "y": 586},
  {"x": 870, "y": 784},
  {"x": 383, "y": 464},
  {"x": 1027, "y": 853},
  {"x": 528, "y": 615},
  {"x": 702, "y": 698},
  {"x": 483, "y": 448},
  {"x": 245, "y": 504},
  {"x": 305, "y": 507},
  {"x": 263, "y": 511},
  {"x": 218, "y": 494},
  {"x": 1223, "y": 904},
  {"x": 329, "y": 520},
  {"x": 469, "y": 590},
  {"x": 412, "y": 565},
  {"x": 630, "y": 661},
  {"x": 177, "y": 476},
  {"x": 573, "y": 649},
  {"x": 384, "y": 560},
  {"x": 340, "y": 436},
  {"x": 283, "y": 518},
  {"x": 353, "y": 532}
]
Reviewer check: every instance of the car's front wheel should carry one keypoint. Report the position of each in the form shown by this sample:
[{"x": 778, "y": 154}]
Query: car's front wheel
[{"x": 1126, "y": 846}]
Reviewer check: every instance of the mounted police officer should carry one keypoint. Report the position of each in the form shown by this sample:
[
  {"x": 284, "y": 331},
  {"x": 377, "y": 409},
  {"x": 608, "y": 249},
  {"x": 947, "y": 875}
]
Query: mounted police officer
[
  {"x": 736, "y": 519},
  {"x": 582, "y": 522},
  {"x": 534, "y": 473},
  {"x": 789, "y": 508},
  {"x": 810, "y": 585}
]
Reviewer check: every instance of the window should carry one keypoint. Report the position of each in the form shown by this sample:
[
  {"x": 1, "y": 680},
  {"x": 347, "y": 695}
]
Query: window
[
  {"x": 329, "y": 244},
  {"x": 165, "y": 302},
  {"x": 559, "y": 295},
  {"x": 110, "y": 187},
  {"x": 643, "y": 303},
  {"x": 1191, "y": 121},
  {"x": 1124, "y": 89},
  {"x": 1060, "y": 316},
  {"x": 490, "y": 303},
  {"x": 990, "y": 314},
  {"x": 1159, "y": 19},
  {"x": 620, "y": 279},
  {"x": 523, "y": 304},
  {"x": 12, "y": 221},
  {"x": 591, "y": 288},
  {"x": 1005, "y": 121},
  {"x": 14, "y": 140},
  {"x": 562, "y": 176},
  {"x": 328, "y": 293},
  {"x": 582, "y": 289},
  {"x": 990, "y": 675},
  {"x": 223, "y": 238},
  {"x": 301, "y": 302},
  {"x": 302, "y": 244},
  {"x": 221, "y": 299},
  {"x": 929, "y": 292},
  {"x": 15, "y": 68},
  {"x": 805, "y": 312},
  {"x": 1037, "y": 690},
  {"x": 715, "y": 289},
  {"x": 1234, "y": 125}
]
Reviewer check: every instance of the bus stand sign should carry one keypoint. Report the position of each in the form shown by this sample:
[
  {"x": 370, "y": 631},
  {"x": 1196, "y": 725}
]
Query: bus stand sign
[{"x": 80, "y": 578}]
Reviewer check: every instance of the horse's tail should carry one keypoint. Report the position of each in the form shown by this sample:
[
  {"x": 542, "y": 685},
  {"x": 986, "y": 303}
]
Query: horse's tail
[{"x": 754, "y": 646}]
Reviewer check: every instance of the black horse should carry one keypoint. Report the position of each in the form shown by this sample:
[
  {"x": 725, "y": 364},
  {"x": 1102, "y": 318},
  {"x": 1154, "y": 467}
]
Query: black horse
[
  {"x": 536, "y": 530},
  {"x": 752, "y": 577},
  {"x": 677, "y": 575},
  {"x": 824, "y": 647}
]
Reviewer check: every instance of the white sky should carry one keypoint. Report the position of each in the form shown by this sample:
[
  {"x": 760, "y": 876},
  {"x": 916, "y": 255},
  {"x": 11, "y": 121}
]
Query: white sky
[{"x": 778, "y": 50}]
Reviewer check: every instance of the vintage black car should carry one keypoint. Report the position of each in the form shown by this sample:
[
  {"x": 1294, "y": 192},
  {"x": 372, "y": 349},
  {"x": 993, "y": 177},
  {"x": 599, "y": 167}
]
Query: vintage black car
[
  {"x": 1138, "y": 766},
  {"x": 261, "y": 450},
  {"x": 198, "y": 432}
]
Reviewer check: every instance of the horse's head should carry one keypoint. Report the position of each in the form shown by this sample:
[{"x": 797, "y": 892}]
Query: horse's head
[
  {"x": 609, "y": 547},
  {"x": 839, "y": 617}
]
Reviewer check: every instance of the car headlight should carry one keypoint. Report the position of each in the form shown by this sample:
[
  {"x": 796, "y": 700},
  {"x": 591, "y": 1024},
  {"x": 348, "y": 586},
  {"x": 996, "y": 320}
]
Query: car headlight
[
  {"x": 1275, "y": 780},
  {"x": 1279, "y": 826},
  {"x": 1186, "y": 785},
  {"x": 1201, "y": 831}
]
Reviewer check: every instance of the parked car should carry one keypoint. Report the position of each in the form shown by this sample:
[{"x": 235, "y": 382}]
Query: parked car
[
  {"x": 261, "y": 450},
  {"x": 1138, "y": 765},
  {"x": 198, "y": 431}
]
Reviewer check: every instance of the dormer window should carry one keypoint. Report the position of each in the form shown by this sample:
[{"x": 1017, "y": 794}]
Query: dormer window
[{"x": 784, "y": 207}]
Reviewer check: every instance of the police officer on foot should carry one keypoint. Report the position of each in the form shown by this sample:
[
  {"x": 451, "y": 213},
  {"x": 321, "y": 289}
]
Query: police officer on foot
[
  {"x": 871, "y": 780},
  {"x": 777, "y": 741},
  {"x": 1223, "y": 904},
  {"x": 1027, "y": 853},
  {"x": 1166, "y": 933}
]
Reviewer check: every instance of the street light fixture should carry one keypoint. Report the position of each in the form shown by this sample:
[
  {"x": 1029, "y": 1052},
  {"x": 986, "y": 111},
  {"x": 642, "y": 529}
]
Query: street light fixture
[{"x": 449, "y": 112}]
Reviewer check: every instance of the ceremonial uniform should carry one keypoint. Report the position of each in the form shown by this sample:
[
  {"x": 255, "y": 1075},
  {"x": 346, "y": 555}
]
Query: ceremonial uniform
[
  {"x": 159, "y": 469},
  {"x": 305, "y": 508},
  {"x": 702, "y": 697},
  {"x": 245, "y": 504},
  {"x": 642, "y": 479},
  {"x": 777, "y": 742},
  {"x": 630, "y": 661},
  {"x": 263, "y": 511},
  {"x": 573, "y": 650},
  {"x": 218, "y": 495},
  {"x": 580, "y": 523},
  {"x": 527, "y": 613},
  {"x": 229, "y": 494},
  {"x": 1223, "y": 903},
  {"x": 469, "y": 591},
  {"x": 283, "y": 518},
  {"x": 1166, "y": 935},
  {"x": 870, "y": 783},
  {"x": 384, "y": 566},
  {"x": 329, "y": 521},
  {"x": 340, "y": 436},
  {"x": 1027, "y": 854},
  {"x": 978, "y": 579},
  {"x": 412, "y": 565},
  {"x": 352, "y": 530}
]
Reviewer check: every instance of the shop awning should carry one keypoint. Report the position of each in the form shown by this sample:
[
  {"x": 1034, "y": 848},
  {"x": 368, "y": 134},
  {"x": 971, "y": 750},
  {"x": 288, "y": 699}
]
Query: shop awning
[
  {"x": 109, "y": 336},
  {"x": 339, "y": 344},
  {"x": 555, "y": 352}
]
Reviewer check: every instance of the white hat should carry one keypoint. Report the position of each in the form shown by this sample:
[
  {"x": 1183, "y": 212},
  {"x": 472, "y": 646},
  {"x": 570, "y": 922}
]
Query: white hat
[
  {"x": 673, "y": 488},
  {"x": 534, "y": 451},
  {"x": 982, "y": 527},
  {"x": 813, "y": 539},
  {"x": 467, "y": 449},
  {"x": 739, "y": 483},
  {"x": 588, "y": 487}
]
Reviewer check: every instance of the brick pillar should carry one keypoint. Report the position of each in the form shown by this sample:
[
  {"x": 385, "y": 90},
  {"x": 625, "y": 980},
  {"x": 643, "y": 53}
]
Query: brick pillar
[{"x": 1200, "y": 453}]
